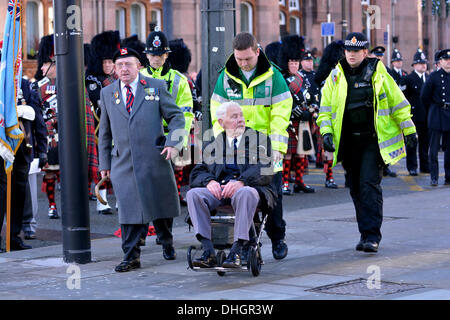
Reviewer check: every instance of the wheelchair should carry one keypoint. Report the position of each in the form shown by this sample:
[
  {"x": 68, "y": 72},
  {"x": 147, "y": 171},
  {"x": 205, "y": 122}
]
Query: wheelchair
[{"x": 222, "y": 232}]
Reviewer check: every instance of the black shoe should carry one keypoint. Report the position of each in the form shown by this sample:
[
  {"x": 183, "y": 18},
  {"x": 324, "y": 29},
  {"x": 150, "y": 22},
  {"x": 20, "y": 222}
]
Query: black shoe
[
  {"x": 304, "y": 188},
  {"x": 279, "y": 249},
  {"x": 389, "y": 172},
  {"x": 207, "y": 260},
  {"x": 126, "y": 266},
  {"x": 29, "y": 235},
  {"x": 370, "y": 246},
  {"x": 183, "y": 202},
  {"x": 105, "y": 211},
  {"x": 232, "y": 261},
  {"x": 16, "y": 246},
  {"x": 360, "y": 245},
  {"x": 287, "y": 191},
  {"x": 331, "y": 184},
  {"x": 434, "y": 183},
  {"x": 413, "y": 172},
  {"x": 169, "y": 252}
]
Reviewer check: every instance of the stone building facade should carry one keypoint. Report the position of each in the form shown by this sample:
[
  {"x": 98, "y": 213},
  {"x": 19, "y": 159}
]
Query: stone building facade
[{"x": 390, "y": 23}]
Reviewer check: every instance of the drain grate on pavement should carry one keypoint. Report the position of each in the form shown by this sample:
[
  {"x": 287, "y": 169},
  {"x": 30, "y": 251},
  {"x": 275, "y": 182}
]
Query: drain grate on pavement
[
  {"x": 361, "y": 287},
  {"x": 353, "y": 219}
]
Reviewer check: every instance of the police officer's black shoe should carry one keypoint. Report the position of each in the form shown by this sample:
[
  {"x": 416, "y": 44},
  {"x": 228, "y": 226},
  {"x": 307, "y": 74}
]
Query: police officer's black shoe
[
  {"x": 304, "y": 188},
  {"x": 360, "y": 245},
  {"x": 434, "y": 183},
  {"x": 207, "y": 260},
  {"x": 169, "y": 252},
  {"x": 413, "y": 172},
  {"x": 279, "y": 249},
  {"x": 389, "y": 172},
  {"x": 370, "y": 246}
]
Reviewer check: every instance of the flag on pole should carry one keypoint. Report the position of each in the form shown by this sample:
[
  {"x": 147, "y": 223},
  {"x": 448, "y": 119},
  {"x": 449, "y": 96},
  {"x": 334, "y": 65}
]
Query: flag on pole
[{"x": 10, "y": 79}]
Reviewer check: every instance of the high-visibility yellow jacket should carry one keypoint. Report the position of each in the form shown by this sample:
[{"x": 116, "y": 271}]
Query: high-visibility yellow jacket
[
  {"x": 265, "y": 99},
  {"x": 179, "y": 89},
  {"x": 392, "y": 112}
]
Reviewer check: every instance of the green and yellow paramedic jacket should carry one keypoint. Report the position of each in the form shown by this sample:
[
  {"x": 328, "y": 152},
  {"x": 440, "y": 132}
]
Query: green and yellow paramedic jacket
[
  {"x": 392, "y": 112},
  {"x": 179, "y": 89},
  {"x": 265, "y": 99}
]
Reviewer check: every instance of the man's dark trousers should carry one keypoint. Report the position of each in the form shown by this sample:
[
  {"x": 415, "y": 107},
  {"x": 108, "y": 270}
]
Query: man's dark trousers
[
  {"x": 131, "y": 239},
  {"x": 435, "y": 140},
  {"x": 364, "y": 169},
  {"x": 19, "y": 181},
  {"x": 275, "y": 225}
]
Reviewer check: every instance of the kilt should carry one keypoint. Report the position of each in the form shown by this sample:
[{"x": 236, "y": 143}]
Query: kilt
[{"x": 293, "y": 141}]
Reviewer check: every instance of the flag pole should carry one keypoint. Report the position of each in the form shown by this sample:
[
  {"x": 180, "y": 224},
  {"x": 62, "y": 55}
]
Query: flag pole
[{"x": 8, "y": 211}]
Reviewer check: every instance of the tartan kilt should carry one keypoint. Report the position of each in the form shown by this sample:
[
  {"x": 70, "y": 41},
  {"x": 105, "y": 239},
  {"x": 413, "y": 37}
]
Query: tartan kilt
[
  {"x": 92, "y": 153},
  {"x": 293, "y": 141}
]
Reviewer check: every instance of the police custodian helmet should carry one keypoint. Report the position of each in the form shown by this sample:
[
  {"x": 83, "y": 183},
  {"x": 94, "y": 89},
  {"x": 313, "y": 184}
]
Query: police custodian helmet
[
  {"x": 157, "y": 43},
  {"x": 396, "y": 55},
  {"x": 419, "y": 57}
]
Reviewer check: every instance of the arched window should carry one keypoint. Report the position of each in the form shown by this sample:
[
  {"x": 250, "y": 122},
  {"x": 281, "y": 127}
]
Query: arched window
[
  {"x": 34, "y": 28},
  {"x": 246, "y": 17},
  {"x": 137, "y": 20},
  {"x": 120, "y": 21},
  {"x": 282, "y": 24},
  {"x": 156, "y": 19},
  {"x": 293, "y": 5},
  {"x": 294, "y": 25}
]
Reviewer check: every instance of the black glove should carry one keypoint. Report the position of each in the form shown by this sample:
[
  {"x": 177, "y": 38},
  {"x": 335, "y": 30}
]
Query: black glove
[
  {"x": 42, "y": 160},
  {"x": 328, "y": 142},
  {"x": 411, "y": 140}
]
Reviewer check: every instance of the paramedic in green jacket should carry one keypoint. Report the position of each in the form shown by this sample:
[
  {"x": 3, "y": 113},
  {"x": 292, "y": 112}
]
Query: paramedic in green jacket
[
  {"x": 259, "y": 88},
  {"x": 363, "y": 118}
]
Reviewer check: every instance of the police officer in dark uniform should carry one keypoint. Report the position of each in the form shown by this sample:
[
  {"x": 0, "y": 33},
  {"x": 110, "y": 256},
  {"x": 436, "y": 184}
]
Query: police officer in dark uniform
[
  {"x": 414, "y": 82},
  {"x": 435, "y": 97},
  {"x": 397, "y": 72}
]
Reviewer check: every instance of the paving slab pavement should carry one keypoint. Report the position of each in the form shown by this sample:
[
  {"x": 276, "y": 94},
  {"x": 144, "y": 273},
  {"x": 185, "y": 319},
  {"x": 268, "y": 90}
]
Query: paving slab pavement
[{"x": 413, "y": 262}]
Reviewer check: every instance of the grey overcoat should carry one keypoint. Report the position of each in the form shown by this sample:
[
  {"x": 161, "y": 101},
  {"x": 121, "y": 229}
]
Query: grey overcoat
[{"x": 142, "y": 179}]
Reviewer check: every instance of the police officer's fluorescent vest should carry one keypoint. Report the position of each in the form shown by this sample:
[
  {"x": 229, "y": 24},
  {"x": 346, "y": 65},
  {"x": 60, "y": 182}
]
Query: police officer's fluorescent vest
[
  {"x": 178, "y": 87},
  {"x": 392, "y": 112}
]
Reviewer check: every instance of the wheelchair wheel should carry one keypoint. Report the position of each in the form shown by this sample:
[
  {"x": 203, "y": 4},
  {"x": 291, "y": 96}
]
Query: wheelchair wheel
[
  {"x": 189, "y": 256},
  {"x": 254, "y": 263},
  {"x": 221, "y": 256}
]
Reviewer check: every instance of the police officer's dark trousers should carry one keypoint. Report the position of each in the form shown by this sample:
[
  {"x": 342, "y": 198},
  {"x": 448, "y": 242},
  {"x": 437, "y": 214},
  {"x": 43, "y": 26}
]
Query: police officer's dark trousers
[
  {"x": 19, "y": 181},
  {"x": 364, "y": 168},
  {"x": 423, "y": 144},
  {"x": 435, "y": 137}
]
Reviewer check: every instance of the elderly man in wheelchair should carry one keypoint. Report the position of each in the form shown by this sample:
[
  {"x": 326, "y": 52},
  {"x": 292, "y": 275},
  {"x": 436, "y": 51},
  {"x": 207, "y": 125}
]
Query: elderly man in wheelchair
[{"x": 236, "y": 170}]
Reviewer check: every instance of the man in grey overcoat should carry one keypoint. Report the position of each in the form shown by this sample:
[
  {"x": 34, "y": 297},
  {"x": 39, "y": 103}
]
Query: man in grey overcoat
[{"x": 135, "y": 154}]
